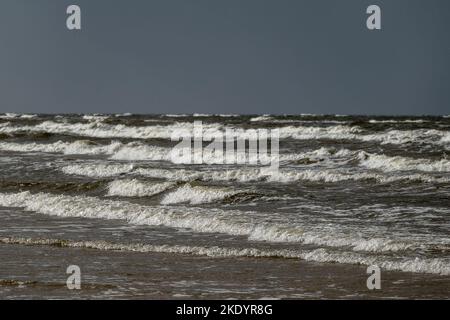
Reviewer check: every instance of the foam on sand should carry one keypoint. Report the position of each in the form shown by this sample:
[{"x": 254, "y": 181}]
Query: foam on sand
[{"x": 435, "y": 266}]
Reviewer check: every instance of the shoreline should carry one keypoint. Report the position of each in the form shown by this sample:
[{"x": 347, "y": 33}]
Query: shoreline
[{"x": 123, "y": 275}]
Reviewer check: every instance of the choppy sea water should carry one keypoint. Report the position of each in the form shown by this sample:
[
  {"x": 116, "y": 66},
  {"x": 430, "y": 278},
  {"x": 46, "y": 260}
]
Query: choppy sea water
[{"x": 101, "y": 192}]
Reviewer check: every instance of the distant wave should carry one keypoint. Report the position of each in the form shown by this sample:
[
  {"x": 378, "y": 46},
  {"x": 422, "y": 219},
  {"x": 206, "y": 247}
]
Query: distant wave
[
  {"x": 141, "y": 151},
  {"x": 335, "y": 132},
  {"x": 399, "y": 121},
  {"x": 200, "y": 115},
  {"x": 396, "y": 163},
  {"x": 17, "y": 115},
  {"x": 116, "y": 150},
  {"x": 429, "y": 136},
  {"x": 265, "y": 117},
  {"x": 95, "y": 117}
]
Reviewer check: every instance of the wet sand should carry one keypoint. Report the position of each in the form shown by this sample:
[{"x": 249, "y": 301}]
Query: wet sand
[{"x": 39, "y": 272}]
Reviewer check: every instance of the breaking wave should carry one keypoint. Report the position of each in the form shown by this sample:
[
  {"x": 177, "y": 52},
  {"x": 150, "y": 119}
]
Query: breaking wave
[
  {"x": 198, "y": 219},
  {"x": 116, "y": 150},
  {"x": 137, "y": 188},
  {"x": 174, "y": 193},
  {"x": 265, "y": 117},
  {"x": 17, "y": 115},
  {"x": 397, "y": 163},
  {"x": 99, "y": 129},
  {"x": 140, "y": 151},
  {"x": 197, "y": 195},
  {"x": 399, "y": 121},
  {"x": 247, "y": 174},
  {"x": 98, "y": 170}
]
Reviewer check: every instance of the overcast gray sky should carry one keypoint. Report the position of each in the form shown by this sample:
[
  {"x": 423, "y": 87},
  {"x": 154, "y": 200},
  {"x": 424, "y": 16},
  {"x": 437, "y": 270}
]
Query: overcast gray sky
[{"x": 225, "y": 56}]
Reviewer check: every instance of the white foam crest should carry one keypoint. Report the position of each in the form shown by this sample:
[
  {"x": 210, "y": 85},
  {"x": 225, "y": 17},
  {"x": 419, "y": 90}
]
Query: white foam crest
[
  {"x": 202, "y": 115},
  {"x": 335, "y": 132},
  {"x": 28, "y": 116},
  {"x": 116, "y": 149},
  {"x": 314, "y": 133},
  {"x": 337, "y": 176},
  {"x": 292, "y": 121},
  {"x": 101, "y": 170},
  {"x": 397, "y": 163},
  {"x": 445, "y": 140},
  {"x": 196, "y": 195},
  {"x": 329, "y": 239},
  {"x": 398, "y": 121},
  {"x": 10, "y": 115},
  {"x": 104, "y": 130},
  {"x": 417, "y": 265},
  {"x": 137, "y": 188},
  {"x": 431, "y": 136},
  {"x": 76, "y": 147},
  {"x": 95, "y": 117},
  {"x": 56, "y": 147},
  {"x": 139, "y": 151},
  {"x": 240, "y": 175},
  {"x": 227, "y": 115},
  {"x": 265, "y": 117},
  {"x": 213, "y": 251},
  {"x": 247, "y": 174},
  {"x": 175, "y": 115},
  {"x": 196, "y": 219}
]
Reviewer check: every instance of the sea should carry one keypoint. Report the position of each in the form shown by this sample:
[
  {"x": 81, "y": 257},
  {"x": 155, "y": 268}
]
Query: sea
[{"x": 101, "y": 192}]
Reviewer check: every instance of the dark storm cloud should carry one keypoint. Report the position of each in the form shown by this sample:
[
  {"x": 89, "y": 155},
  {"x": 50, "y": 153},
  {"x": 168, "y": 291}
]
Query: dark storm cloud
[{"x": 225, "y": 56}]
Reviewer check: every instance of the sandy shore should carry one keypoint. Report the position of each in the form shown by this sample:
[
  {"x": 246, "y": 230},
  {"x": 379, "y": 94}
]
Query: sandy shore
[{"x": 40, "y": 272}]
